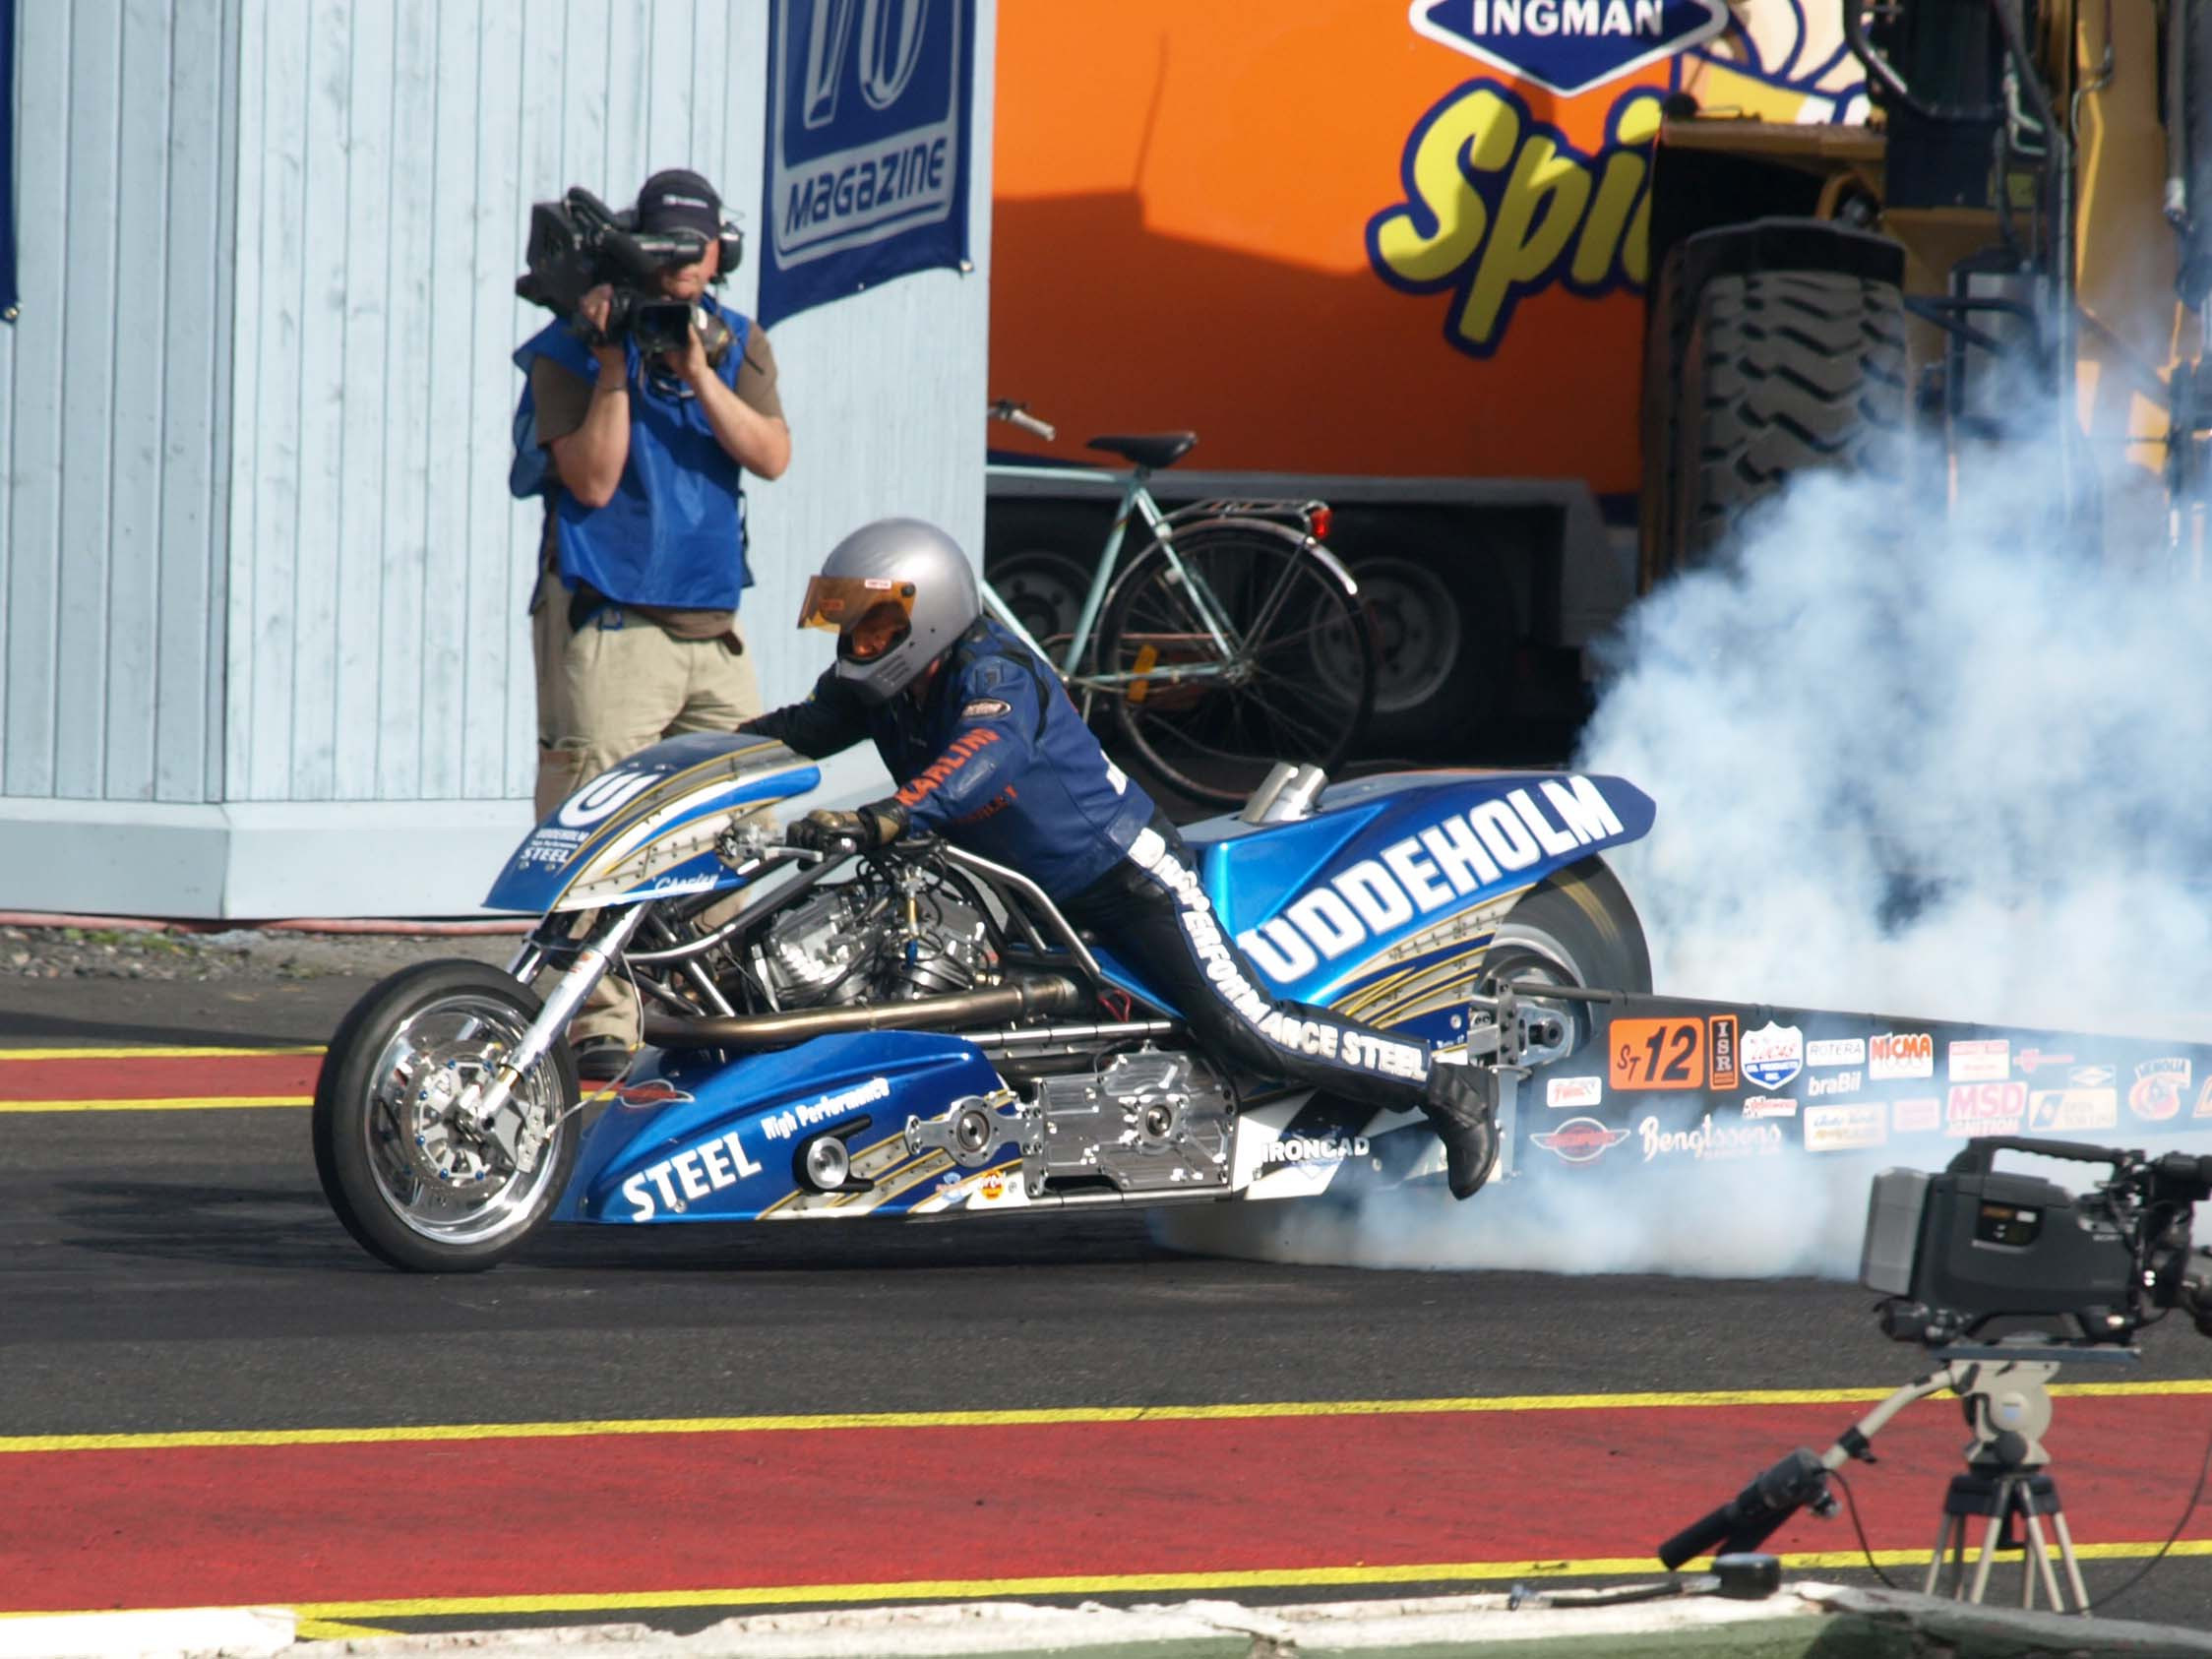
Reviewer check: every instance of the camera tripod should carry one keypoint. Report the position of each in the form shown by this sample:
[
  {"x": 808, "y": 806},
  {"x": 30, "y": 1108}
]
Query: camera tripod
[{"x": 2007, "y": 1485}]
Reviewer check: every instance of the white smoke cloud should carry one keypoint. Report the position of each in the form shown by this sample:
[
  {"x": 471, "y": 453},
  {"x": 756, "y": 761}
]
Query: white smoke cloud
[{"x": 1952, "y": 769}]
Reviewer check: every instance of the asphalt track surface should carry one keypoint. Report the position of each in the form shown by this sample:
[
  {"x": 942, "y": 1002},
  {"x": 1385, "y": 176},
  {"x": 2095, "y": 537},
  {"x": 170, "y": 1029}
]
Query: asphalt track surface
[{"x": 209, "y": 1394}]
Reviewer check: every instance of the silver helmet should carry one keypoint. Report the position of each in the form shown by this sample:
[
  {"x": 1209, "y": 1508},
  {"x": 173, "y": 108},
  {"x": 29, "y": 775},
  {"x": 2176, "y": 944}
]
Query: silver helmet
[{"x": 898, "y": 592}]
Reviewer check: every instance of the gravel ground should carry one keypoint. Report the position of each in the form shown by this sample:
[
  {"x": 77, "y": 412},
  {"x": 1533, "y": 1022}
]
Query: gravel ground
[{"x": 235, "y": 953}]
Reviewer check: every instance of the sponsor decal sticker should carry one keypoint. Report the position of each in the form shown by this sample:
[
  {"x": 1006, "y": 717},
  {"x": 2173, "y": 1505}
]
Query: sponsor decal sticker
[
  {"x": 1837, "y": 1051},
  {"x": 1317, "y": 1148},
  {"x": 1724, "y": 1030},
  {"x": 1581, "y": 1141},
  {"x": 986, "y": 708},
  {"x": 1657, "y": 1054},
  {"x": 783, "y": 1124},
  {"x": 693, "y": 1173},
  {"x": 1845, "y": 1128},
  {"x": 993, "y": 1187},
  {"x": 2030, "y": 1060},
  {"x": 1573, "y": 1091},
  {"x": 2157, "y": 1092},
  {"x": 1982, "y": 1059},
  {"x": 1435, "y": 868},
  {"x": 2052, "y": 1109},
  {"x": 2090, "y": 1077},
  {"x": 1760, "y": 1106},
  {"x": 648, "y": 1093},
  {"x": 2204, "y": 1101},
  {"x": 1900, "y": 1054},
  {"x": 604, "y": 796},
  {"x": 1709, "y": 1139},
  {"x": 1843, "y": 1082},
  {"x": 1985, "y": 1109},
  {"x": 1916, "y": 1116},
  {"x": 1773, "y": 1055}
]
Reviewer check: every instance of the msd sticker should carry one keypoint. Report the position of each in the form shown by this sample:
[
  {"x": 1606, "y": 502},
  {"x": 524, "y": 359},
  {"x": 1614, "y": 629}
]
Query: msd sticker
[
  {"x": 1985, "y": 1109},
  {"x": 1568, "y": 45},
  {"x": 1772, "y": 1055},
  {"x": 1573, "y": 1091}
]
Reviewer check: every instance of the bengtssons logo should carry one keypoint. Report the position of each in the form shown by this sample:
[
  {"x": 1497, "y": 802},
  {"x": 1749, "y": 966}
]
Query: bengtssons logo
[{"x": 1567, "y": 46}]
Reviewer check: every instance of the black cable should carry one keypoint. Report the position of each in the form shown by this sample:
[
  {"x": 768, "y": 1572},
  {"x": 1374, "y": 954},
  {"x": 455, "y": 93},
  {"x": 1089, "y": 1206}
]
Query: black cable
[
  {"x": 2204, "y": 1469},
  {"x": 1866, "y": 1548}
]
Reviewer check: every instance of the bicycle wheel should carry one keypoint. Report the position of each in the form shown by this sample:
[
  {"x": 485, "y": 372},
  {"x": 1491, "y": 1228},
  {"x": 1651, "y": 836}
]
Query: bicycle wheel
[{"x": 1242, "y": 650}]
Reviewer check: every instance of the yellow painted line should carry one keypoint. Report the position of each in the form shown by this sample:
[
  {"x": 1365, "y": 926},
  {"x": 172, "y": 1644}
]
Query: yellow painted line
[
  {"x": 8, "y": 1054},
  {"x": 1022, "y": 1417},
  {"x": 333, "y": 1629},
  {"x": 1124, "y": 1584},
  {"x": 178, "y": 1103}
]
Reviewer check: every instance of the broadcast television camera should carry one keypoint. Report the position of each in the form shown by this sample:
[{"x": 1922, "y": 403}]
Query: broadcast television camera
[
  {"x": 1956, "y": 1251},
  {"x": 577, "y": 243}
]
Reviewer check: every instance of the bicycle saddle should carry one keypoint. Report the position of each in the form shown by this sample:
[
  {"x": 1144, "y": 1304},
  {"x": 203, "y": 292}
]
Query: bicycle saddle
[{"x": 1152, "y": 449}]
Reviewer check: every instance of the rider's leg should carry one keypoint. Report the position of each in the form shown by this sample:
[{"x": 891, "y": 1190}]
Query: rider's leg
[{"x": 1152, "y": 909}]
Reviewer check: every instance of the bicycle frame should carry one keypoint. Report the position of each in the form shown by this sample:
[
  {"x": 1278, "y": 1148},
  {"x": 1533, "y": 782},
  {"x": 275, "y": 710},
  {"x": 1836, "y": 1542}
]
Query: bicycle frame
[{"x": 1137, "y": 500}]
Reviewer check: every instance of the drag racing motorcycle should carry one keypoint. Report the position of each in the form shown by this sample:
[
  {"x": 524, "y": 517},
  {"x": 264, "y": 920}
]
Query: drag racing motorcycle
[{"x": 918, "y": 1032}]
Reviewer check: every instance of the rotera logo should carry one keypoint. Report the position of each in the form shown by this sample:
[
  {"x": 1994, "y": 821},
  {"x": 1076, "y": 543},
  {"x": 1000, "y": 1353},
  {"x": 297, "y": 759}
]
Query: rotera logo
[{"x": 1567, "y": 46}]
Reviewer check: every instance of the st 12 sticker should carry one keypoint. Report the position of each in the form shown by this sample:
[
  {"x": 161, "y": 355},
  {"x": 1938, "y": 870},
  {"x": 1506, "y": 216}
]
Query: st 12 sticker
[{"x": 1656, "y": 1054}]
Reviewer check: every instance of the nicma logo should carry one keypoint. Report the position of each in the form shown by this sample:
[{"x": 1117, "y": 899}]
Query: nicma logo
[{"x": 1568, "y": 45}]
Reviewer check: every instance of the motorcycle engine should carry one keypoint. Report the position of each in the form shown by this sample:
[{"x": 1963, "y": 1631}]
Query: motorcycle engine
[{"x": 862, "y": 942}]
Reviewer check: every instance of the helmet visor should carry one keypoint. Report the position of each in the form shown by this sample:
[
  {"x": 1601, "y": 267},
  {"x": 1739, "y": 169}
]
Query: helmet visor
[{"x": 839, "y": 602}]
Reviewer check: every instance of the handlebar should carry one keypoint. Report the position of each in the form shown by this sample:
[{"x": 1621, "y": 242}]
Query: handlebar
[{"x": 1017, "y": 414}]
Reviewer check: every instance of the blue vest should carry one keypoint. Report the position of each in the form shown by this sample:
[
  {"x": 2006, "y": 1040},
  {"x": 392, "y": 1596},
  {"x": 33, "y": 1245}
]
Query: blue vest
[{"x": 674, "y": 533}]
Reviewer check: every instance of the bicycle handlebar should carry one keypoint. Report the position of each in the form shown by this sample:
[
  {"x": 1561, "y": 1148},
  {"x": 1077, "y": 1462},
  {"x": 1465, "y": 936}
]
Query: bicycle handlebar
[{"x": 1017, "y": 414}]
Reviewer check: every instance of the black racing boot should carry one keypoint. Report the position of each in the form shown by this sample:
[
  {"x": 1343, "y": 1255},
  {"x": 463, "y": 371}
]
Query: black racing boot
[{"x": 1462, "y": 1117}]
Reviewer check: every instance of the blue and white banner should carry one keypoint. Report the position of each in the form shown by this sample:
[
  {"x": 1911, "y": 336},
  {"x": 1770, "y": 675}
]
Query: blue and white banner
[{"x": 869, "y": 106}]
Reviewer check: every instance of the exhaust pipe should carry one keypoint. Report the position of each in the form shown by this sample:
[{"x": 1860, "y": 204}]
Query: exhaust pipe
[{"x": 1047, "y": 995}]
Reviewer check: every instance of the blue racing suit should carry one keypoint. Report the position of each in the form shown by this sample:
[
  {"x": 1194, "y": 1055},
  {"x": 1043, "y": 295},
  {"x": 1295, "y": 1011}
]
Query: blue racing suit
[{"x": 995, "y": 759}]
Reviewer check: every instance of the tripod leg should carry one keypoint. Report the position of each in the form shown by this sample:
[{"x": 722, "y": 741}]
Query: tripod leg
[
  {"x": 1942, "y": 1543},
  {"x": 2071, "y": 1562},
  {"x": 1989, "y": 1556},
  {"x": 2037, "y": 1562}
]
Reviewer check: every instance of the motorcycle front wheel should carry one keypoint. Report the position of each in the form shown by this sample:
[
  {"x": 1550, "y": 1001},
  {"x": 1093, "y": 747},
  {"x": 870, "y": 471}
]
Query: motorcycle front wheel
[{"x": 401, "y": 1158}]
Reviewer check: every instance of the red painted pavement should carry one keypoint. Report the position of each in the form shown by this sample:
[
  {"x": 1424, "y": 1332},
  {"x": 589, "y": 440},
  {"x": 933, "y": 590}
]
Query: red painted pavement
[
  {"x": 122, "y": 1076},
  {"x": 626, "y": 1513}
]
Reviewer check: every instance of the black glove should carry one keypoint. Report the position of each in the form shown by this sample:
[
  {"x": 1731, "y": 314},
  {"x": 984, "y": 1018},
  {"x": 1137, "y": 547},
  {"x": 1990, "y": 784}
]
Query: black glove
[{"x": 874, "y": 826}]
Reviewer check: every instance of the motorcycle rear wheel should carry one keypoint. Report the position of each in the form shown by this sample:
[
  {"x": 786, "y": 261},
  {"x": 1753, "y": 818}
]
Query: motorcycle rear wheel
[{"x": 414, "y": 1191}]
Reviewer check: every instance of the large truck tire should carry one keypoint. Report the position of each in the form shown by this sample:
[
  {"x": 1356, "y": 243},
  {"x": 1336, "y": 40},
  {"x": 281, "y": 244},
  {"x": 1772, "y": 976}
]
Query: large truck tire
[{"x": 1764, "y": 373}]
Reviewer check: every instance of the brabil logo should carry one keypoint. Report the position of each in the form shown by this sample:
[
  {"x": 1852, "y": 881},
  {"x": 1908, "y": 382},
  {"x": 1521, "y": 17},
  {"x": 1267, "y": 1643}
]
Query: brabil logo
[
  {"x": 1566, "y": 45},
  {"x": 1498, "y": 204},
  {"x": 1432, "y": 870}
]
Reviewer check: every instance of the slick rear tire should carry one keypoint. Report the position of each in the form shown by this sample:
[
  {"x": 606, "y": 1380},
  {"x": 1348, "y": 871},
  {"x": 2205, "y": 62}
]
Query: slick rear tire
[
  {"x": 1573, "y": 928},
  {"x": 1778, "y": 373},
  {"x": 406, "y": 1031}
]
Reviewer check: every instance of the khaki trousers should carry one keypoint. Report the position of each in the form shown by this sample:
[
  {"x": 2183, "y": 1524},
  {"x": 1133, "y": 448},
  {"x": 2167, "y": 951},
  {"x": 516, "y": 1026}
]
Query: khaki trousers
[{"x": 607, "y": 692}]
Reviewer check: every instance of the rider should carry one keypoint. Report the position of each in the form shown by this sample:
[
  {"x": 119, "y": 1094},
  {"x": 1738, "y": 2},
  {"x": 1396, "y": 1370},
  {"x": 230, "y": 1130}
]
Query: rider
[{"x": 990, "y": 752}]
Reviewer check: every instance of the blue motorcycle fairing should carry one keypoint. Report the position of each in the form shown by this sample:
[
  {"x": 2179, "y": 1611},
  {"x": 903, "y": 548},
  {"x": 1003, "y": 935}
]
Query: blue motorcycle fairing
[
  {"x": 1383, "y": 878},
  {"x": 652, "y": 797},
  {"x": 695, "y": 1138}
]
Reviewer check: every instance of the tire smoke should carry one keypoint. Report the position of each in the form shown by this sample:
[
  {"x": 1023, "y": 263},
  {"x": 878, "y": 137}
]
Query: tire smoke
[{"x": 1950, "y": 768}]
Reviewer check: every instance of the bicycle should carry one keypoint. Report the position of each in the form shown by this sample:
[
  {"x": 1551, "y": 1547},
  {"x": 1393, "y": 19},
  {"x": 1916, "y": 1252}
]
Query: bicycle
[{"x": 1233, "y": 640}]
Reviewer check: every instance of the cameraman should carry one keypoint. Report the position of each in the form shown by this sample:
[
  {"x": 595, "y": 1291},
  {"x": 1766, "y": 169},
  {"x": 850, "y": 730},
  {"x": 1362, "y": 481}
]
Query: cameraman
[{"x": 635, "y": 620}]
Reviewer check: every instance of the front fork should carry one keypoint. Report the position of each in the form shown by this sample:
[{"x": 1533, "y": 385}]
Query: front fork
[{"x": 601, "y": 945}]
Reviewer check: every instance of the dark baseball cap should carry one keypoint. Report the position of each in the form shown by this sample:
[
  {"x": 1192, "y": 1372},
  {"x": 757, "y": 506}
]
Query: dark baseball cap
[{"x": 679, "y": 200}]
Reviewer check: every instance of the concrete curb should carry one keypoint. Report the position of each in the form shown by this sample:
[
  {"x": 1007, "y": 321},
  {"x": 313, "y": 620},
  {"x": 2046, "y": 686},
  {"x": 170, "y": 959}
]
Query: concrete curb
[{"x": 1809, "y": 1621}]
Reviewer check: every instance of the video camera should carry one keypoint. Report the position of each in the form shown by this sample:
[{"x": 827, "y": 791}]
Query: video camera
[
  {"x": 1956, "y": 1250},
  {"x": 577, "y": 243}
]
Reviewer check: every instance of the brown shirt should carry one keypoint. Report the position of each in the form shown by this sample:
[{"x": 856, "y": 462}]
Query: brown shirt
[{"x": 563, "y": 397}]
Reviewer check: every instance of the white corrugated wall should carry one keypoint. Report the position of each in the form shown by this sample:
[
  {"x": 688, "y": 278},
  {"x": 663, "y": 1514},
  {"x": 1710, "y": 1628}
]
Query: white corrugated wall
[{"x": 265, "y": 647}]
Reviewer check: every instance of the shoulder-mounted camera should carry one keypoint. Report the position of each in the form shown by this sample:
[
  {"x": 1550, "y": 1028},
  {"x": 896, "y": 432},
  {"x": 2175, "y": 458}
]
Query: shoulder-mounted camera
[{"x": 577, "y": 243}]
